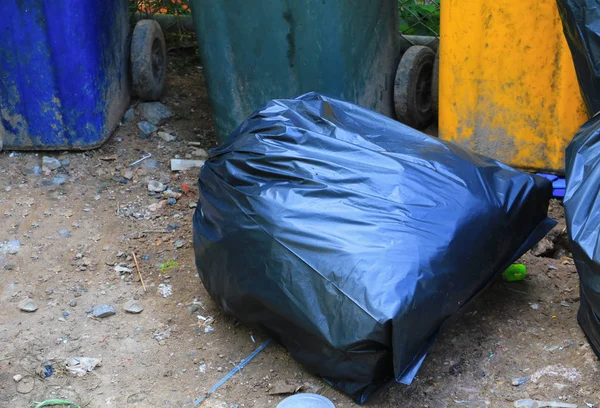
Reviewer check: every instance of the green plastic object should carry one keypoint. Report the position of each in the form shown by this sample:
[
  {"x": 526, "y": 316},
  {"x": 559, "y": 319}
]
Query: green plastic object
[
  {"x": 255, "y": 51},
  {"x": 515, "y": 272}
]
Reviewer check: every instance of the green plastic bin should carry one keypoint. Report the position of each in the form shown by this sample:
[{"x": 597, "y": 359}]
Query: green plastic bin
[{"x": 255, "y": 51}]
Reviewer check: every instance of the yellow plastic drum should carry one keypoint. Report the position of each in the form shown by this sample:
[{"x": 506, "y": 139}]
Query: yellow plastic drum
[{"x": 507, "y": 83}]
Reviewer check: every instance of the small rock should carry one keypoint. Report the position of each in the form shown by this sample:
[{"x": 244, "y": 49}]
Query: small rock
[
  {"x": 166, "y": 136},
  {"x": 542, "y": 247},
  {"x": 157, "y": 206},
  {"x": 146, "y": 127},
  {"x": 18, "y": 377},
  {"x": 201, "y": 153},
  {"x": 50, "y": 163},
  {"x": 173, "y": 226},
  {"x": 150, "y": 164},
  {"x": 165, "y": 290},
  {"x": 155, "y": 112},
  {"x": 65, "y": 162},
  {"x": 132, "y": 306},
  {"x": 128, "y": 175},
  {"x": 9, "y": 267},
  {"x": 219, "y": 369},
  {"x": 65, "y": 314},
  {"x": 25, "y": 386},
  {"x": 59, "y": 179},
  {"x": 519, "y": 381},
  {"x": 162, "y": 342},
  {"x": 171, "y": 201},
  {"x": 73, "y": 303},
  {"x": 179, "y": 243},
  {"x": 119, "y": 179},
  {"x": 559, "y": 386},
  {"x": 28, "y": 305},
  {"x": 193, "y": 204},
  {"x": 156, "y": 186},
  {"x": 534, "y": 306},
  {"x": 63, "y": 232},
  {"x": 36, "y": 170},
  {"x": 103, "y": 310},
  {"x": 129, "y": 115}
]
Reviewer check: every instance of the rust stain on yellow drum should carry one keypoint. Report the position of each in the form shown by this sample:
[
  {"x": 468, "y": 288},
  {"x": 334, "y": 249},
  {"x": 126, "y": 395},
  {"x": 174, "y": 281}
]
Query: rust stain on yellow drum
[{"x": 508, "y": 87}]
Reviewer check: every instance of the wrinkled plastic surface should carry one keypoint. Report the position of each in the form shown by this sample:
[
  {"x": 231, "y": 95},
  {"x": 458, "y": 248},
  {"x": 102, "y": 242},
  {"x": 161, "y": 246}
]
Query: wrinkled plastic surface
[
  {"x": 580, "y": 20},
  {"x": 353, "y": 239},
  {"x": 582, "y": 210},
  {"x": 581, "y": 23},
  {"x": 64, "y": 76}
]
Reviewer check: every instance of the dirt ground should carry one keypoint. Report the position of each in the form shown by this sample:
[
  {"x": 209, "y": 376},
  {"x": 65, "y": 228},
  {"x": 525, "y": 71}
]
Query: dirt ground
[{"x": 72, "y": 236}]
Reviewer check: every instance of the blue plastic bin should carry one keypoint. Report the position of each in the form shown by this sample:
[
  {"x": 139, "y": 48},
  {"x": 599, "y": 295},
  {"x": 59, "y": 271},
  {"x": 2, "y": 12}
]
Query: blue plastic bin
[{"x": 64, "y": 73}]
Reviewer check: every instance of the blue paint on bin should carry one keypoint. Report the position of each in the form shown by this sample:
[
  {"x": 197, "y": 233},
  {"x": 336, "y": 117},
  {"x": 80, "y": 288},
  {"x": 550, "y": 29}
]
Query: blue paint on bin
[{"x": 64, "y": 81}]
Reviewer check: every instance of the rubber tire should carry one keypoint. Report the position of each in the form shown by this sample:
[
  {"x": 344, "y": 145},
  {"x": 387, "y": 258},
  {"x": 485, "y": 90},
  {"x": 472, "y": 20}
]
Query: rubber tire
[
  {"x": 412, "y": 87},
  {"x": 148, "y": 60},
  {"x": 435, "y": 86}
]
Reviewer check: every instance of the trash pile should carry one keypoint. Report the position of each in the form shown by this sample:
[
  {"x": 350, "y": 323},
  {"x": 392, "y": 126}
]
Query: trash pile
[
  {"x": 354, "y": 240},
  {"x": 583, "y": 162}
]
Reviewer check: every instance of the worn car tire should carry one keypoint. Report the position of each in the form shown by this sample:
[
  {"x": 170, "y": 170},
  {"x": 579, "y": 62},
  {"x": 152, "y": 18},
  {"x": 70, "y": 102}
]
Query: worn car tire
[
  {"x": 435, "y": 86},
  {"x": 412, "y": 87},
  {"x": 148, "y": 60}
]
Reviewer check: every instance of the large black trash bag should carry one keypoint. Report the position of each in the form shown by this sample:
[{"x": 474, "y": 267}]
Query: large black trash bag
[
  {"x": 581, "y": 24},
  {"x": 353, "y": 239},
  {"x": 582, "y": 210},
  {"x": 581, "y": 19}
]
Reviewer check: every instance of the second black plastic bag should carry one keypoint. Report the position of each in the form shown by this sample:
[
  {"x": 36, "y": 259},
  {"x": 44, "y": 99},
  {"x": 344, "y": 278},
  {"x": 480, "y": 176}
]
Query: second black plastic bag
[{"x": 352, "y": 239}]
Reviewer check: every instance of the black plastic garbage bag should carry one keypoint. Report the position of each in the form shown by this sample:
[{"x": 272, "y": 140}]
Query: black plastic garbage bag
[
  {"x": 581, "y": 20},
  {"x": 582, "y": 209},
  {"x": 581, "y": 24},
  {"x": 353, "y": 239}
]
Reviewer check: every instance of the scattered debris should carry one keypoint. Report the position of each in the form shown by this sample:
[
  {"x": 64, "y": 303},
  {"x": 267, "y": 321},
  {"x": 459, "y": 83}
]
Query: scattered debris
[
  {"x": 557, "y": 370},
  {"x": 139, "y": 272},
  {"x": 81, "y": 365},
  {"x": 534, "y": 306},
  {"x": 104, "y": 310},
  {"x": 171, "y": 201},
  {"x": 122, "y": 269},
  {"x": 65, "y": 233},
  {"x": 306, "y": 400},
  {"x": 179, "y": 243},
  {"x": 147, "y": 164},
  {"x": 519, "y": 381},
  {"x": 166, "y": 136},
  {"x": 155, "y": 112},
  {"x": 146, "y": 127},
  {"x": 528, "y": 403},
  {"x": 28, "y": 305},
  {"x": 156, "y": 186},
  {"x": 237, "y": 368},
  {"x": 165, "y": 290},
  {"x": 50, "y": 163},
  {"x": 133, "y": 306},
  {"x": 182, "y": 164},
  {"x": 54, "y": 402},
  {"x": 170, "y": 264}
]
